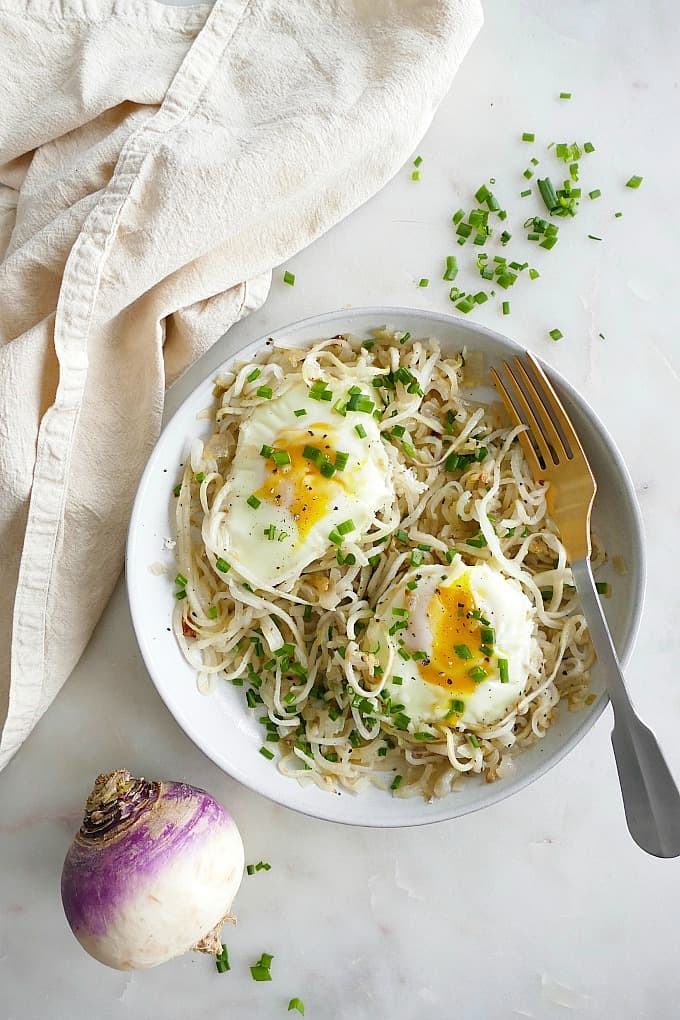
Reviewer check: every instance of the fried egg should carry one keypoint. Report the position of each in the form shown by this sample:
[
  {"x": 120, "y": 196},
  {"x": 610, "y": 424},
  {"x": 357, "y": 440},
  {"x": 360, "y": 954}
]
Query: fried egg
[
  {"x": 462, "y": 643},
  {"x": 307, "y": 475}
]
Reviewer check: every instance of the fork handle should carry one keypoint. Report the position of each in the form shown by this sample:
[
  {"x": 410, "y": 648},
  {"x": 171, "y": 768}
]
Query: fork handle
[{"x": 650, "y": 795}]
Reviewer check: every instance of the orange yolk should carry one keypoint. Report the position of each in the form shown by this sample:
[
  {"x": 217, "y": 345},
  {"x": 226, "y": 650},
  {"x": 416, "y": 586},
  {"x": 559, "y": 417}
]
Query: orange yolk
[
  {"x": 451, "y": 623},
  {"x": 299, "y": 486}
]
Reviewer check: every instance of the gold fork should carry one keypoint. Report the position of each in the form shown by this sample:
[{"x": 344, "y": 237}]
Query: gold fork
[{"x": 650, "y": 796}]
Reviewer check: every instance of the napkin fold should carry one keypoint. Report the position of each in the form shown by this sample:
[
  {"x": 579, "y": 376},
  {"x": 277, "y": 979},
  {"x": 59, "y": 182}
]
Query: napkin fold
[{"x": 155, "y": 164}]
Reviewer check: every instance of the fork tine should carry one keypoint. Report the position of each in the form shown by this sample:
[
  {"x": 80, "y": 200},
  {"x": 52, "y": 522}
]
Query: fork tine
[
  {"x": 547, "y": 424},
  {"x": 526, "y": 444},
  {"x": 556, "y": 407},
  {"x": 530, "y": 418}
]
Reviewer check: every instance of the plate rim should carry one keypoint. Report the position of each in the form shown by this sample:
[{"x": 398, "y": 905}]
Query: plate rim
[{"x": 384, "y": 313}]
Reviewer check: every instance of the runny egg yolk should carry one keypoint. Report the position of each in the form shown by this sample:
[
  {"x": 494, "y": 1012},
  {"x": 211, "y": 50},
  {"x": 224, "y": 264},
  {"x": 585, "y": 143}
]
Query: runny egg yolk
[
  {"x": 299, "y": 486},
  {"x": 452, "y": 625}
]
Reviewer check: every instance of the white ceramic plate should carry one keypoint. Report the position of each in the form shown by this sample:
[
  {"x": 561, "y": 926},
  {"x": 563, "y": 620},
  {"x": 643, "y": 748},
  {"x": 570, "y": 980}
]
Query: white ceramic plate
[{"x": 221, "y": 724}]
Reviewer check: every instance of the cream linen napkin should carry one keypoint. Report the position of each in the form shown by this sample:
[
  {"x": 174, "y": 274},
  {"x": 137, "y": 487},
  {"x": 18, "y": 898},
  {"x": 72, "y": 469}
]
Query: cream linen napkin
[{"x": 155, "y": 164}]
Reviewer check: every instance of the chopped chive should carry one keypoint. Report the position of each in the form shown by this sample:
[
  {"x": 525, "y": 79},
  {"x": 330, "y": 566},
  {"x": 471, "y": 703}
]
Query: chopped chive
[
  {"x": 457, "y": 708},
  {"x": 503, "y": 671},
  {"x": 634, "y": 181},
  {"x": 534, "y": 274},
  {"x": 549, "y": 243},
  {"x": 565, "y": 95},
  {"x": 396, "y": 783},
  {"x": 602, "y": 588},
  {"x": 212, "y": 612},
  {"x": 506, "y": 308},
  {"x": 300, "y": 412},
  {"x": 265, "y": 391},
  {"x": 313, "y": 453},
  {"x": 286, "y": 649},
  {"x": 281, "y": 457},
  {"x": 222, "y": 565},
  {"x": 181, "y": 594},
  {"x": 458, "y": 216},
  {"x": 297, "y": 1004},
  {"x": 253, "y": 501},
  {"x": 181, "y": 581},
  {"x": 346, "y": 527},
  {"x": 617, "y": 215},
  {"x": 555, "y": 334},
  {"x": 200, "y": 476},
  {"x": 307, "y": 613},
  {"x": 341, "y": 460},
  {"x": 488, "y": 635},
  {"x": 528, "y": 136},
  {"x": 360, "y": 431},
  {"x": 401, "y": 535},
  {"x": 548, "y": 194},
  {"x": 595, "y": 193},
  {"x": 416, "y": 558},
  {"x": 481, "y": 297},
  {"x": 450, "y": 555},
  {"x": 451, "y": 271},
  {"x": 335, "y": 537},
  {"x": 359, "y": 402},
  {"x": 266, "y": 451},
  {"x": 415, "y": 175},
  {"x": 588, "y": 147},
  {"x": 423, "y": 282},
  {"x": 473, "y": 739},
  {"x": 477, "y": 674},
  {"x": 222, "y": 960},
  {"x": 260, "y": 973},
  {"x": 417, "y": 161},
  {"x": 525, "y": 194},
  {"x": 289, "y": 278},
  {"x": 178, "y": 488},
  {"x": 266, "y": 753},
  {"x": 255, "y": 374},
  {"x": 462, "y": 651}
]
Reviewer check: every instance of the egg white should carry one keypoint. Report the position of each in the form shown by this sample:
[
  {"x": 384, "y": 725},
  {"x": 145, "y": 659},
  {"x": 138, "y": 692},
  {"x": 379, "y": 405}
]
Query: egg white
[
  {"x": 354, "y": 494},
  {"x": 500, "y": 601}
]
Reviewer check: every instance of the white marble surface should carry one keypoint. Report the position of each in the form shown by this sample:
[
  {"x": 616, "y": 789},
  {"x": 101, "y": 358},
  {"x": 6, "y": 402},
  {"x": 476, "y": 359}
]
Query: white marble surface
[{"x": 541, "y": 906}]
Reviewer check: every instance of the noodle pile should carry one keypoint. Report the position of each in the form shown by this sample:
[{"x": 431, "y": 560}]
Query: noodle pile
[{"x": 297, "y": 651}]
